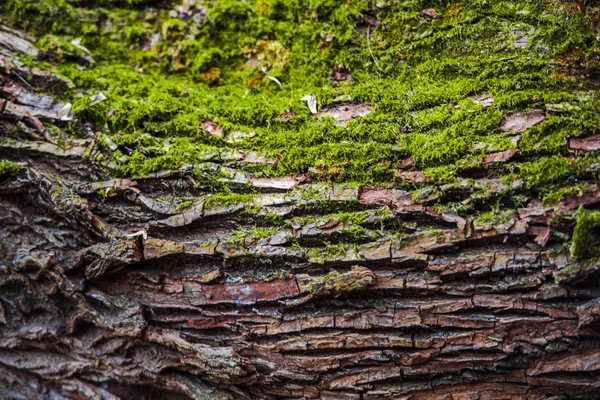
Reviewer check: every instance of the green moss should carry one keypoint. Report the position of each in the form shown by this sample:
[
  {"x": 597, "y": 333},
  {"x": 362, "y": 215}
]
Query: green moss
[
  {"x": 317, "y": 284},
  {"x": 331, "y": 252},
  {"x": 227, "y": 199},
  {"x": 184, "y": 205},
  {"x": 453, "y": 207},
  {"x": 556, "y": 196},
  {"x": 549, "y": 170},
  {"x": 493, "y": 218},
  {"x": 8, "y": 168},
  {"x": 441, "y": 174},
  {"x": 159, "y": 97},
  {"x": 281, "y": 275},
  {"x": 586, "y": 235},
  {"x": 245, "y": 236},
  {"x": 356, "y": 226}
]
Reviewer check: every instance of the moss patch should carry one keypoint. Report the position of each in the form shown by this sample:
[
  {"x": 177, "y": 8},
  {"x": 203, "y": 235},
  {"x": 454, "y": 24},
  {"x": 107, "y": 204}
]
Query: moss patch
[
  {"x": 177, "y": 95},
  {"x": 164, "y": 76},
  {"x": 586, "y": 236},
  {"x": 8, "y": 169}
]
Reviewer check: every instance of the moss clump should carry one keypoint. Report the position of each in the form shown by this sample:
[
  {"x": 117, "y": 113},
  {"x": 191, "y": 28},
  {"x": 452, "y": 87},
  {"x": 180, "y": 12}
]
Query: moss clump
[
  {"x": 494, "y": 217},
  {"x": 548, "y": 170},
  {"x": 245, "y": 236},
  {"x": 586, "y": 235},
  {"x": 184, "y": 205},
  {"x": 556, "y": 196},
  {"x": 165, "y": 77},
  {"x": 441, "y": 174},
  {"x": 8, "y": 169},
  {"x": 331, "y": 252},
  {"x": 281, "y": 275}
]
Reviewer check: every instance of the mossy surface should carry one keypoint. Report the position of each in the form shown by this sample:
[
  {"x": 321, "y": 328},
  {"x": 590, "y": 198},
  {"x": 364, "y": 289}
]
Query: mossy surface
[
  {"x": 184, "y": 93},
  {"x": 164, "y": 76},
  {"x": 8, "y": 168},
  {"x": 586, "y": 236}
]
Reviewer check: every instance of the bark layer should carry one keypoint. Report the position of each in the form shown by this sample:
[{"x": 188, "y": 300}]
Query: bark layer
[{"x": 110, "y": 288}]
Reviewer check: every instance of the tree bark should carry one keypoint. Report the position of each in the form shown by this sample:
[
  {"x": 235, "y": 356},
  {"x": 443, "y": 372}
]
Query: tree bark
[{"x": 125, "y": 294}]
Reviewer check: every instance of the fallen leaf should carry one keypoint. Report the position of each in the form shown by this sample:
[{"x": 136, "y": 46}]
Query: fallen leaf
[
  {"x": 213, "y": 129},
  {"x": 311, "y": 101},
  {"x": 429, "y": 13},
  {"x": 77, "y": 43},
  {"x": 273, "y": 79},
  {"x": 254, "y": 81},
  {"x": 64, "y": 114},
  {"x": 97, "y": 98}
]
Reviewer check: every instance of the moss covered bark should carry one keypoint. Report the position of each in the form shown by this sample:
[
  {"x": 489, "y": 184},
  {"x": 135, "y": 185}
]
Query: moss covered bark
[{"x": 179, "y": 222}]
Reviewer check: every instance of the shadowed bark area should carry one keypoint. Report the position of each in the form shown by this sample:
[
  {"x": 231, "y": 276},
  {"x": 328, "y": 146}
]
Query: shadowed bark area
[{"x": 158, "y": 285}]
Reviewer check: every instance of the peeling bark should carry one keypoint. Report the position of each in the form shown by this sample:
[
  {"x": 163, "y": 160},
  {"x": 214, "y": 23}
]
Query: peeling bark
[{"x": 131, "y": 296}]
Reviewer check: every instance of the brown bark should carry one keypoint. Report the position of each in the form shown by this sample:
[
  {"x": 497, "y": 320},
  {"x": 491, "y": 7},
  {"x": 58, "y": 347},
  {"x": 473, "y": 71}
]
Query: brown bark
[{"x": 128, "y": 297}]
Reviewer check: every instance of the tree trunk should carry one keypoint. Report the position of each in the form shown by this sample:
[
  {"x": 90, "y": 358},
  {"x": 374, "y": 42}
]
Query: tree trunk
[{"x": 235, "y": 280}]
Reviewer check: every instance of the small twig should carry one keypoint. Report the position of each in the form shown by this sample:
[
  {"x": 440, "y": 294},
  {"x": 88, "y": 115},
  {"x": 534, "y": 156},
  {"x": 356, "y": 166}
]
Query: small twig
[{"x": 369, "y": 46}]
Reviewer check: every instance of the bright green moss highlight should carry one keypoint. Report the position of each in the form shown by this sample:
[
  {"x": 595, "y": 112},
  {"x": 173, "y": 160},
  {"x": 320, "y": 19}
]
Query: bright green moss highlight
[
  {"x": 441, "y": 174},
  {"x": 549, "y": 170},
  {"x": 586, "y": 235},
  {"x": 184, "y": 205},
  {"x": 423, "y": 98},
  {"x": 556, "y": 196},
  {"x": 244, "y": 236},
  {"x": 8, "y": 168},
  {"x": 494, "y": 218}
]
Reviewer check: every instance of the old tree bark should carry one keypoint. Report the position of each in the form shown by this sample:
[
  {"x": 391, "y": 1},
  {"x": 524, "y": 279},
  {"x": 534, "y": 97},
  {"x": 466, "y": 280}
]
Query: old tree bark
[{"x": 429, "y": 233}]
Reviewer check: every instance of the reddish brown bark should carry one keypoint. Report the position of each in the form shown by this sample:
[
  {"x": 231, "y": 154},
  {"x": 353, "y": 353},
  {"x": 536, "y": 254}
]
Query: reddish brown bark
[{"x": 129, "y": 297}]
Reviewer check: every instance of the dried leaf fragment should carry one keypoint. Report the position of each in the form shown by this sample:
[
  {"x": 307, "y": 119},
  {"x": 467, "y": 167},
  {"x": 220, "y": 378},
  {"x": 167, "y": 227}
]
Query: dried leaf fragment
[
  {"x": 428, "y": 13},
  {"x": 273, "y": 79},
  {"x": 311, "y": 101},
  {"x": 254, "y": 81},
  {"x": 97, "y": 98},
  {"x": 64, "y": 114},
  {"x": 77, "y": 43},
  {"x": 213, "y": 129}
]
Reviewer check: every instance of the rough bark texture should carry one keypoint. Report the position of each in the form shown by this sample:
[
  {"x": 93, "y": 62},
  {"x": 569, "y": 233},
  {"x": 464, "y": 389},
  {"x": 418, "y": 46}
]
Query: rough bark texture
[{"x": 110, "y": 288}]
